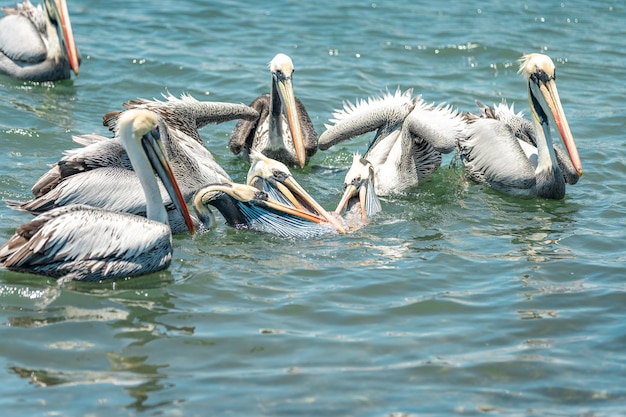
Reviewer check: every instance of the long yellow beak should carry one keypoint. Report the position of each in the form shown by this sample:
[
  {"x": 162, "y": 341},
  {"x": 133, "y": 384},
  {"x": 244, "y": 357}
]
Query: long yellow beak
[
  {"x": 157, "y": 154},
  {"x": 551, "y": 96},
  {"x": 66, "y": 25},
  {"x": 288, "y": 99}
]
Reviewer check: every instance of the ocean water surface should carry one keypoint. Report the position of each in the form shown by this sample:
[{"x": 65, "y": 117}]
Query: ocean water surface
[{"x": 455, "y": 300}]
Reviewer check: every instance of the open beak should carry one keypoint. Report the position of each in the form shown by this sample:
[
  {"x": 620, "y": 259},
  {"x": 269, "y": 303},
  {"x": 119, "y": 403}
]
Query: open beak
[
  {"x": 288, "y": 190},
  {"x": 288, "y": 100},
  {"x": 160, "y": 162},
  {"x": 546, "y": 94},
  {"x": 68, "y": 35},
  {"x": 244, "y": 193},
  {"x": 349, "y": 193},
  {"x": 365, "y": 194}
]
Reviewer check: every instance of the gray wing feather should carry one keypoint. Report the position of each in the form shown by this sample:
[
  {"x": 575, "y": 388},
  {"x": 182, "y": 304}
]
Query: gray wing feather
[
  {"x": 366, "y": 116},
  {"x": 492, "y": 155},
  {"x": 20, "y": 40},
  {"x": 86, "y": 243},
  {"x": 441, "y": 126}
]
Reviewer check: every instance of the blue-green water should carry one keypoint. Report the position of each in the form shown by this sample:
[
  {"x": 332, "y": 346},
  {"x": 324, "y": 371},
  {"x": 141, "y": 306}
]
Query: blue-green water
[{"x": 455, "y": 300}]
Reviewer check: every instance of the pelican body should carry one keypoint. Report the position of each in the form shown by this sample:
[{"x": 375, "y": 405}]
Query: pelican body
[
  {"x": 79, "y": 242},
  {"x": 283, "y": 131},
  {"x": 507, "y": 154},
  {"x": 410, "y": 137},
  {"x": 37, "y": 44},
  {"x": 100, "y": 174}
]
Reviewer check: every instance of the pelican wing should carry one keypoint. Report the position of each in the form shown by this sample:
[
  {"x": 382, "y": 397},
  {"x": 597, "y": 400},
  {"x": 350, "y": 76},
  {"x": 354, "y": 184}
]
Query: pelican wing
[
  {"x": 103, "y": 152},
  {"x": 366, "y": 116},
  {"x": 108, "y": 187},
  {"x": 492, "y": 155},
  {"x": 186, "y": 114},
  {"x": 441, "y": 126},
  {"x": 524, "y": 130},
  {"x": 79, "y": 242},
  {"x": 20, "y": 40},
  {"x": 245, "y": 130}
]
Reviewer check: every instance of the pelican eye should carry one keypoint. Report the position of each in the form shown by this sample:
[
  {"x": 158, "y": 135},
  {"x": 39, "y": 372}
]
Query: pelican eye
[
  {"x": 279, "y": 175},
  {"x": 541, "y": 76},
  {"x": 261, "y": 195},
  {"x": 356, "y": 181}
]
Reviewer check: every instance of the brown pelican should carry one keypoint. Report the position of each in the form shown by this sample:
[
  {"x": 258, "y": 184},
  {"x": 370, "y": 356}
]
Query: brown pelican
[
  {"x": 359, "y": 201},
  {"x": 410, "y": 136},
  {"x": 36, "y": 43},
  {"x": 85, "y": 243},
  {"x": 274, "y": 178},
  {"x": 246, "y": 207},
  {"x": 100, "y": 174},
  {"x": 508, "y": 155},
  {"x": 283, "y": 130}
]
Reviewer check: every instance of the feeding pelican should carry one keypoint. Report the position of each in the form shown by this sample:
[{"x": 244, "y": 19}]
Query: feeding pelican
[
  {"x": 274, "y": 178},
  {"x": 100, "y": 174},
  {"x": 410, "y": 136},
  {"x": 36, "y": 43},
  {"x": 283, "y": 130},
  {"x": 359, "y": 201},
  {"x": 86, "y": 243},
  {"x": 246, "y": 207},
  {"x": 511, "y": 156}
]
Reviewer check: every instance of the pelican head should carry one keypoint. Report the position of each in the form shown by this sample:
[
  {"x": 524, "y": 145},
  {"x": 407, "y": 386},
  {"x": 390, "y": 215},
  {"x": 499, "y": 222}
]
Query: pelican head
[
  {"x": 545, "y": 104},
  {"x": 359, "y": 188},
  {"x": 58, "y": 17},
  {"x": 246, "y": 207},
  {"x": 140, "y": 132},
  {"x": 283, "y": 102},
  {"x": 275, "y": 178}
]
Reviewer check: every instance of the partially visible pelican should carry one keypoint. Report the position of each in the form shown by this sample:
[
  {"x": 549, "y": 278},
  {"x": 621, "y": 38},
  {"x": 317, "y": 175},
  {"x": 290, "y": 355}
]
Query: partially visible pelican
[
  {"x": 86, "y": 243},
  {"x": 100, "y": 174},
  {"x": 283, "y": 131},
  {"x": 36, "y": 43},
  {"x": 510, "y": 156},
  {"x": 246, "y": 207},
  {"x": 359, "y": 201},
  {"x": 410, "y": 136},
  {"x": 274, "y": 178}
]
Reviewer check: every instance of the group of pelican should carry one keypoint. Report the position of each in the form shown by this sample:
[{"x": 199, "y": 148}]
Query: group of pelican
[{"x": 108, "y": 209}]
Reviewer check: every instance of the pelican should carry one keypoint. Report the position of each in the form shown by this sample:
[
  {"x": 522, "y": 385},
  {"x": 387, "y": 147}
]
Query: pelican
[
  {"x": 283, "y": 131},
  {"x": 80, "y": 242},
  {"x": 37, "y": 44},
  {"x": 359, "y": 201},
  {"x": 100, "y": 174},
  {"x": 274, "y": 178},
  {"x": 246, "y": 207},
  {"x": 410, "y": 136},
  {"x": 503, "y": 154}
]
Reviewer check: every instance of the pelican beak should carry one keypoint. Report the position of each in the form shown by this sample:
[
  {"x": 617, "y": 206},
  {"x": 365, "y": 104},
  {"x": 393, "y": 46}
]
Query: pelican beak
[
  {"x": 292, "y": 193},
  {"x": 157, "y": 156},
  {"x": 544, "y": 95},
  {"x": 369, "y": 204},
  {"x": 288, "y": 100},
  {"x": 244, "y": 193},
  {"x": 68, "y": 35},
  {"x": 350, "y": 192}
]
